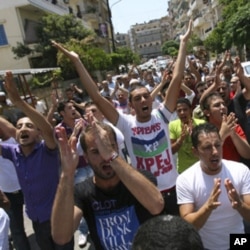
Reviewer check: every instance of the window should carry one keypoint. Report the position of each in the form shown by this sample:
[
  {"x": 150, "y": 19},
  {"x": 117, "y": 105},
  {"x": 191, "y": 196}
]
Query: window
[{"x": 3, "y": 38}]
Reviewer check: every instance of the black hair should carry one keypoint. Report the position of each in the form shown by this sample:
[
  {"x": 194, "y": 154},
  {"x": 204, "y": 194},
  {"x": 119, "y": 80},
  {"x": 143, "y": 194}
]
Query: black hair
[
  {"x": 206, "y": 100},
  {"x": 167, "y": 232},
  {"x": 183, "y": 100},
  {"x": 202, "y": 128},
  {"x": 200, "y": 84},
  {"x": 61, "y": 106},
  {"x": 134, "y": 87}
]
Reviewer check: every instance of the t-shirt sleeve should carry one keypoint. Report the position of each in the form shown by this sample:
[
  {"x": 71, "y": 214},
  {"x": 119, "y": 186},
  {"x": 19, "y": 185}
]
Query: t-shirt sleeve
[
  {"x": 246, "y": 181},
  {"x": 183, "y": 190},
  {"x": 172, "y": 133}
]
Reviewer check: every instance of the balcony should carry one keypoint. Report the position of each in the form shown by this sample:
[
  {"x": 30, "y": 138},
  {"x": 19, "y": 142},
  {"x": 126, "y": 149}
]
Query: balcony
[
  {"x": 199, "y": 21},
  {"x": 47, "y": 6},
  {"x": 196, "y": 4}
]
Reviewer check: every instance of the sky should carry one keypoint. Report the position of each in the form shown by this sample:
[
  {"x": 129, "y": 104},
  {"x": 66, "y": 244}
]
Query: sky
[{"x": 126, "y": 13}]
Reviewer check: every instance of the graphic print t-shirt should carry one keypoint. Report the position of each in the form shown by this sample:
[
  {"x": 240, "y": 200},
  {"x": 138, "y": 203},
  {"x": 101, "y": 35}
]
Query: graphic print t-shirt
[
  {"x": 149, "y": 145},
  {"x": 113, "y": 217}
]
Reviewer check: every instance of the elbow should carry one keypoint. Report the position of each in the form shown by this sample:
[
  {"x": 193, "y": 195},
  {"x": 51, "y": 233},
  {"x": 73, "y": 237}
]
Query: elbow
[
  {"x": 158, "y": 207},
  {"x": 60, "y": 239}
]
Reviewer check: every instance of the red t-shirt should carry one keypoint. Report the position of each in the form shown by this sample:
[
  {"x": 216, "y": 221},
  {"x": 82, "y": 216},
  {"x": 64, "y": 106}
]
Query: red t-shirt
[{"x": 229, "y": 150}]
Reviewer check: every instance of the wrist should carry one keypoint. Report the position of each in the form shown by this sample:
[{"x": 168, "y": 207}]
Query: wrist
[{"x": 113, "y": 156}]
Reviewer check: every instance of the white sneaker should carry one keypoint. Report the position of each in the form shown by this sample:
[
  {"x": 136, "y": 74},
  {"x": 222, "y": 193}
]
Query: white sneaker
[{"x": 82, "y": 240}]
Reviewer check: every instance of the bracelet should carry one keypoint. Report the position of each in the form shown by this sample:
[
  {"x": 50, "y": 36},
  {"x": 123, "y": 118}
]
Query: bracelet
[{"x": 112, "y": 157}]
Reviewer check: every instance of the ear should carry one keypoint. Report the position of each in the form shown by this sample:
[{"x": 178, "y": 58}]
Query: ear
[
  {"x": 195, "y": 151},
  {"x": 206, "y": 112},
  {"x": 131, "y": 105}
]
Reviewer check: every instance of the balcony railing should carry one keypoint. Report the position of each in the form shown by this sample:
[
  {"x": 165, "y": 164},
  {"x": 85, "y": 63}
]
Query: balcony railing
[{"x": 47, "y": 6}]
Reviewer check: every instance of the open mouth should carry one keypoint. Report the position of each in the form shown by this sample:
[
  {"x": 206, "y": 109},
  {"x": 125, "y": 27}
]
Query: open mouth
[
  {"x": 145, "y": 108},
  {"x": 24, "y": 136}
]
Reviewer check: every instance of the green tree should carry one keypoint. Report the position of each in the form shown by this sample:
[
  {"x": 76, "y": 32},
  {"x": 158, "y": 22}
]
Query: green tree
[
  {"x": 194, "y": 41},
  {"x": 237, "y": 28},
  {"x": 53, "y": 27},
  {"x": 234, "y": 29},
  {"x": 93, "y": 58},
  {"x": 170, "y": 48},
  {"x": 124, "y": 56},
  {"x": 214, "y": 40}
]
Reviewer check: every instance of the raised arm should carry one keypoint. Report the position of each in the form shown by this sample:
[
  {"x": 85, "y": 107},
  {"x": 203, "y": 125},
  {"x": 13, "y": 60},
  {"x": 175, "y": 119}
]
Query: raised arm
[
  {"x": 160, "y": 86},
  {"x": 39, "y": 120},
  {"x": 65, "y": 216},
  {"x": 245, "y": 80},
  {"x": 103, "y": 104},
  {"x": 7, "y": 128},
  {"x": 173, "y": 90}
]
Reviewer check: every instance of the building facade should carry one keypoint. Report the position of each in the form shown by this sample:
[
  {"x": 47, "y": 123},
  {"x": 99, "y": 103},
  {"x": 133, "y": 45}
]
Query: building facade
[
  {"x": 205, "y": 14},
  {"x": 19, "y": 19},
  {"x": 147, "y": 38}
]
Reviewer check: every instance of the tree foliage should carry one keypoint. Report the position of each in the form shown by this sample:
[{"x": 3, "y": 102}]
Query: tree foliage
[
  {"x": 52, "y": 27},
  {"x": 214, "y": 40},
  {"x": 170, "y": 48},
  {"x": 234, "y": 29}
]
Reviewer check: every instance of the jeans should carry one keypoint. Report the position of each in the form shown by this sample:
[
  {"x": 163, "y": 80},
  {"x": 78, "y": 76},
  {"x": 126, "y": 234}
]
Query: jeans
[
  {"x": 81, "y": 175},
  {"x": 44, "y": 238},
  {"x": 15, "y": 213}
]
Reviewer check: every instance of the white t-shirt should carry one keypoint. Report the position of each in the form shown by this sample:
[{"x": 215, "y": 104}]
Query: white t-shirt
[
  {"x": 149, "y": 146},
  {"x": 4, "y": 230},
  {"x": 8, "y": 178},
  {"x": 195, "y": 186}
]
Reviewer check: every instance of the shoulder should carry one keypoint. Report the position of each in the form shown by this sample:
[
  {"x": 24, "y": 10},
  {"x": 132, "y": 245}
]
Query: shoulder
[{"x": 190, "y": 173}]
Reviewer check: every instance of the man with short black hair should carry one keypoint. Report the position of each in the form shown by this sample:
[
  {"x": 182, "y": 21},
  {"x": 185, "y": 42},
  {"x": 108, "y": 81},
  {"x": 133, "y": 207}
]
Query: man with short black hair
[{"x": 214, "y": 194}]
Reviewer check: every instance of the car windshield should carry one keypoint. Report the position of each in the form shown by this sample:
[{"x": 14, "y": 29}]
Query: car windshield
[{"x": 247, "y": 69}]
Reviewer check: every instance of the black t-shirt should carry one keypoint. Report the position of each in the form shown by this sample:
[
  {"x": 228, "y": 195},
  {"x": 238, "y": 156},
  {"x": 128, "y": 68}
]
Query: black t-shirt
[
  {"x": 240, "y": 104},
  {"x": 113, "y": 217}
]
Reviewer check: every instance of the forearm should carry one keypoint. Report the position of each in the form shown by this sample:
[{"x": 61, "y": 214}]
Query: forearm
[
  {"x": 244, "y": 211},
  {"x": 7, "y": 128},
  {"x": 39, "y": 120},
  {"x": 198, "y": 218},
  {"x": 104, "y": 105},
  {"x": 157, "y": 89},
  {"x": 241, "y": 145},
  {"x": 62, "y": 223},
  {"x": 176, "y": 145},
  {"x": 139, "y": 185},
  {"x": 173, "y": 90}
]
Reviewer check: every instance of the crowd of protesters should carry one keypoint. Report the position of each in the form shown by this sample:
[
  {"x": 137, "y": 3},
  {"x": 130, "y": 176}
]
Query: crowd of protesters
[{"x": 145, "y": 143}]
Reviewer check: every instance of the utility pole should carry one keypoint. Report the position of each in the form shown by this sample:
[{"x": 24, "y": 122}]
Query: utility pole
[
  {"x": 111, "y": 23},
  {"x": 111, "y": 27}
]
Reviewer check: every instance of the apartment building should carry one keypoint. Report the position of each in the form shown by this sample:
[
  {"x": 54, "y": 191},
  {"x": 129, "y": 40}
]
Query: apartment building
[
  {"x": 205, "y": 15},
  {"x": 122, "y": 40},
  {"x": 19, "y": 18},
  {"x": 147, "y": 38}
]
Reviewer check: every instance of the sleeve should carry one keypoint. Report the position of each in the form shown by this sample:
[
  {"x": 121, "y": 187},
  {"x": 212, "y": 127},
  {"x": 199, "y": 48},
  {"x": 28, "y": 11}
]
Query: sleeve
[
  {"x": 172, "y": 133},
  {"x": 183, "y": 190},
  {"x": 245, "y": 181}
]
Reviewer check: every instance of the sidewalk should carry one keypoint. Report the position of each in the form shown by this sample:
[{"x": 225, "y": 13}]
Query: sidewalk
[{"x": 34, "y": 246}]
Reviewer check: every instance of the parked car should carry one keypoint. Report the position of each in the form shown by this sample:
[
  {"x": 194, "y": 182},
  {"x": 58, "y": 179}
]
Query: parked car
[{"x": 246, "y": 68}]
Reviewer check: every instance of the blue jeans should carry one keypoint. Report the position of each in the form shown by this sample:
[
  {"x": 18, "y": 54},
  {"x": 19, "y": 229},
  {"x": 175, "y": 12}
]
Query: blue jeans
[
  {"x": 44, "y": 238},
  {"x": 81, "y": 175},
  {"x": 15, "y": 213}
]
